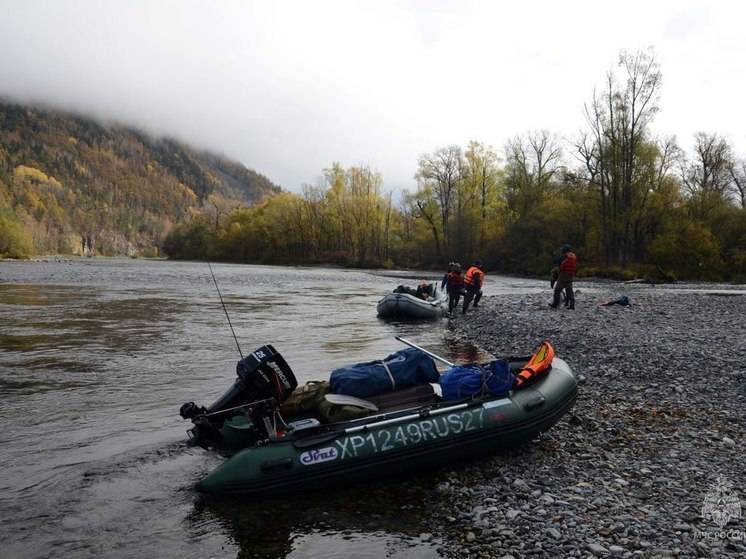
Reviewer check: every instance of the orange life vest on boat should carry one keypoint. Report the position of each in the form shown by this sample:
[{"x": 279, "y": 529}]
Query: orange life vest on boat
[
  {"x": 539, "y": 363},
  {"x": 474, "y": 277}
]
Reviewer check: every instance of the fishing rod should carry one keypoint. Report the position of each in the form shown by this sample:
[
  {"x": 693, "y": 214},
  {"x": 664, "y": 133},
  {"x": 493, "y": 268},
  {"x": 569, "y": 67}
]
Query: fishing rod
[{"x": 225, "y": 310}]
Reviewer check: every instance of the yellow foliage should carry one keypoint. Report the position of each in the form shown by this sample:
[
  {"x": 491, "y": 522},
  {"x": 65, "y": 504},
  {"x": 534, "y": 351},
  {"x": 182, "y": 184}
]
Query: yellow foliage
[
  {"x": 36, "y": 176},
  {"x": 4, "y": 195},
  {"x": 32, "y": 173},
  {"x": 82, "y": 169}
]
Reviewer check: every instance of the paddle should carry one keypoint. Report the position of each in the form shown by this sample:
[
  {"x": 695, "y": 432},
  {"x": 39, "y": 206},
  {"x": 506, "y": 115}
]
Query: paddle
[{"x": 426, "y": 352}]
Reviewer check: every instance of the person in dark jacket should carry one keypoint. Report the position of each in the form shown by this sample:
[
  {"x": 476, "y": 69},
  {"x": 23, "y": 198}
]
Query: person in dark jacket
[
  {"x": 444, "y": 281},
  {"x": 473, "y": 282},
  {"x": 567, "y": 268},
  {"x": 424, "y": 291},
  {"x": 453, "y": 282},
  {"x": 553, "y": 276}
]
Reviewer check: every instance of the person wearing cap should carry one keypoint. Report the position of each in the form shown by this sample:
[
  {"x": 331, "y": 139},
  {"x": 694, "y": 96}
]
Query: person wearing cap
[
  {"x": 473, "y": 281},
  {"x": 567, "y": 268}
]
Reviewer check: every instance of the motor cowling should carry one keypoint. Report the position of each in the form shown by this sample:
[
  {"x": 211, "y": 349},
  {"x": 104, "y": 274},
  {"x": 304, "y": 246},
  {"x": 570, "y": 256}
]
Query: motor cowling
[
  {"x": 266, "y": 373},
  {"x": 264, "y": 378}
]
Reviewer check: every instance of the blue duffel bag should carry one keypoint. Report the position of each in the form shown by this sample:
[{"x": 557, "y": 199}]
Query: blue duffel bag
[
  {"x": 469, "y": 381},
  {"x": 403, "y": 369}
]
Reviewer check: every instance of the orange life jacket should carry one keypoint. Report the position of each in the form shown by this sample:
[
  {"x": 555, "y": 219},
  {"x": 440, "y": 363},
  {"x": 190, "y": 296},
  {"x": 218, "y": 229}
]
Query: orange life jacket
[
  {"x": 474, "y": 277},
  {"x": 539, "y": 363}
]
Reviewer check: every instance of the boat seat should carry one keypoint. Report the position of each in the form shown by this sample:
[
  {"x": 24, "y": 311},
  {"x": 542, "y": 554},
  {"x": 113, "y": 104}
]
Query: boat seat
[
  {"x": 406, "y": 398},
  {"x": 303, "y": 424}
]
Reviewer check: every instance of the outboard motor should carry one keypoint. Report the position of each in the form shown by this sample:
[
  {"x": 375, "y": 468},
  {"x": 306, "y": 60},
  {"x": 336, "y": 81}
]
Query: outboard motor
[{"x": 264, "y": 381}]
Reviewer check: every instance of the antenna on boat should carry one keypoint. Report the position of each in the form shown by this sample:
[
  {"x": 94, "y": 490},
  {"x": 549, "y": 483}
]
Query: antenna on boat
[{"x": 225, "y": 310}]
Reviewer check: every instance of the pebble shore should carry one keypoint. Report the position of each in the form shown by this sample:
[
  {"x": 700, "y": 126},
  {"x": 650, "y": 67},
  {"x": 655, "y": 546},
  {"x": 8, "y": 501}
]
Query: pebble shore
[{"x": 661, "y": 413}]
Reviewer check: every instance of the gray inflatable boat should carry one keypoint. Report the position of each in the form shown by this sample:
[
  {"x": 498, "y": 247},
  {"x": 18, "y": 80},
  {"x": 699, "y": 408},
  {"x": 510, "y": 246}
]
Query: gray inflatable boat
[{"x": 404, "y": 306}]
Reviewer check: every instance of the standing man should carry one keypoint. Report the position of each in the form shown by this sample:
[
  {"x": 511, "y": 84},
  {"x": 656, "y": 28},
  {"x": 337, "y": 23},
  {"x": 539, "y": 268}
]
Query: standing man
[
  {"x": 567, "y": 268},
  {"x": 473, "y": 281},
  {"x": 453, "y": 281}
]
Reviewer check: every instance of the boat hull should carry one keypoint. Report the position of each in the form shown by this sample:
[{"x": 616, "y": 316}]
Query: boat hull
[
  {"x": 405, "y": 306},
  {"x": 385, "y": 447}
]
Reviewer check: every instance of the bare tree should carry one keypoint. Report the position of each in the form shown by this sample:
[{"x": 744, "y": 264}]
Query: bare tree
[
  {"x": 532, "y": 163},
  {"x": 618, "y": 118},
  {"x": 710, "y": 169},
  {"x": 669, "y": 154},
  {"x": 707, "y": 177},
  {"x": 738, "y": 179},
  {"x": 442, "y": 171}
]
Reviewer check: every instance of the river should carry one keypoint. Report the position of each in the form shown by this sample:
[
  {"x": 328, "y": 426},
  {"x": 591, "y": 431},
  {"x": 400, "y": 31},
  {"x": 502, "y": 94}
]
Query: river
[{"x": 97, "y": 355}]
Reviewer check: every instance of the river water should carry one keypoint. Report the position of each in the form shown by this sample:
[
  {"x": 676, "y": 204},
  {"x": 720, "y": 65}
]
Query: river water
[{"x": 97, "y": 355}]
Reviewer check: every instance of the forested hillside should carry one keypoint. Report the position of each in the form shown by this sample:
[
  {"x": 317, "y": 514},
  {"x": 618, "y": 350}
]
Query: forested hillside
[
  {"x": 71, "y": 185},
  {"x": 631, "y": 202}
]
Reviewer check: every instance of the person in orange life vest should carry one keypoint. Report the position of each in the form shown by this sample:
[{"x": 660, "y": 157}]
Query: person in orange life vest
[
  {"x": 453, "y": 281},
  {"x": 473, "y": 281},
  {"x": 567, "y": 268}
]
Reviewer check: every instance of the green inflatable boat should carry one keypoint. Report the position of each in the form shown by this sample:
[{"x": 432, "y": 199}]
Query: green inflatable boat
[{"x": 407, "y": 431}]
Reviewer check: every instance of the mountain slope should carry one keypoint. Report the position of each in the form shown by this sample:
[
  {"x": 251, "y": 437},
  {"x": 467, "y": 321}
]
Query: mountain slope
[{"x": 69, "y": 184}]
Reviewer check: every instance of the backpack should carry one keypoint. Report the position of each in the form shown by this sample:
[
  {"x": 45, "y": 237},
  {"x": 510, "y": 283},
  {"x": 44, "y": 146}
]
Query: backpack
[{"x": 306, "y": 398}]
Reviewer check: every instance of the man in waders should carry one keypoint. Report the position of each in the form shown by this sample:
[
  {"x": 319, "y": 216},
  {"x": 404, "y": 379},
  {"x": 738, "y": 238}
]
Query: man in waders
[
  {"x": 473, "y": 281},
  {"x": 567, "y": 268}
]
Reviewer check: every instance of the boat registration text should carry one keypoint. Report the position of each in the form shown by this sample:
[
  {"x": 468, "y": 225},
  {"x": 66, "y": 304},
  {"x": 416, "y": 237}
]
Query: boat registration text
[{"x": 421, "y": 431}]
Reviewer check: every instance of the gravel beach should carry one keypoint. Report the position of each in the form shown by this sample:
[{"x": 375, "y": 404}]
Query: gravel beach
[{"x": 659, "y": 417}]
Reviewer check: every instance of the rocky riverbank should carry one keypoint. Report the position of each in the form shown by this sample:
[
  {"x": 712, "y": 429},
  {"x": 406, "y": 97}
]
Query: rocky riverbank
[{"x": 661, "y": 414}]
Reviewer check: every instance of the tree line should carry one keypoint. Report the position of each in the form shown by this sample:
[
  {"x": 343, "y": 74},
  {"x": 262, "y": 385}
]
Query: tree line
[{"x": 631, "y": 203}]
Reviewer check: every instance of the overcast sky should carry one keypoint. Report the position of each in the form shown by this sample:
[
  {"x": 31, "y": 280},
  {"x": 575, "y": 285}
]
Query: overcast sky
[{"x": 288, "y": 87}]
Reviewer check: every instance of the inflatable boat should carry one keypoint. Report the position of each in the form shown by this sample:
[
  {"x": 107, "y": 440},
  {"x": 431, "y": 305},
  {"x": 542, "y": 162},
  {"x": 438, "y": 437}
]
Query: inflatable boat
[
  {"x": 405, "y": 431},
  {"x": 405, "y": 306}
]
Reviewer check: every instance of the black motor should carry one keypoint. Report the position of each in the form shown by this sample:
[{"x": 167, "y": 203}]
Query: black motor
[{"x": 263, "y": 376}]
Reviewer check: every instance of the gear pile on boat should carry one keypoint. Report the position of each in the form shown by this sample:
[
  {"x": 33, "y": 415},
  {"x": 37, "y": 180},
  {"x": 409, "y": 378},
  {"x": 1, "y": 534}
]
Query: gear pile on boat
[{"x": 372, "y": 420}]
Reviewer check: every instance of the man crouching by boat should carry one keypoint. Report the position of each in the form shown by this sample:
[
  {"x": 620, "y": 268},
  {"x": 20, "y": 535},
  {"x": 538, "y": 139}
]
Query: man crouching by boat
[{"x": 473, "y": 281}]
